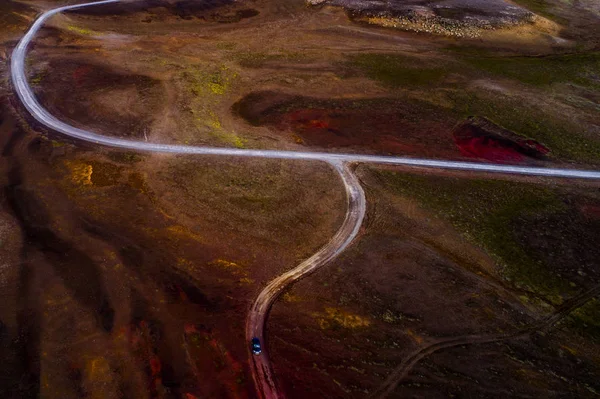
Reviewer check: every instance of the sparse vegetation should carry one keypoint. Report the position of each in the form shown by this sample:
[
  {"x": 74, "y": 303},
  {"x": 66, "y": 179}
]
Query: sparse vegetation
[
  {"x": 564, "y": 138},
  {"x": 208, "y": 87},
  {"x": 486, "y": 212},
  {"x": 581, "y": 69},
  {"x": 253, "y": 59},
  {"x": 37, "y": 79},
  {"x": 81, "y": 31},
  {"x": 336, "y": 318},
  {"x": 397, "y": 70},
  {"x": 542, "y": 7},
  {"x": 587, "y": 319},
  {"x": 125, "y": 157},
  {"x": 214, "y": 82}
]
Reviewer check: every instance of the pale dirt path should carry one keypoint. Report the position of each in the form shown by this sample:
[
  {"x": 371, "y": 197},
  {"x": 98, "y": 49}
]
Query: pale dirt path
[{"x": 356, "y": 208}]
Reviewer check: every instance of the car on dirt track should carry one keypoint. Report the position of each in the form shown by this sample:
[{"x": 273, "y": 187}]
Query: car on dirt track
[{"x": 255, "y": 344}]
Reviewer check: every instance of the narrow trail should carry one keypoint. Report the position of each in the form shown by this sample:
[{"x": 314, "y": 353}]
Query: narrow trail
[
  {"x": 415, "y": 357},
  {"x": 261, "y": 368},
  {"x": 255, "y": 325}
]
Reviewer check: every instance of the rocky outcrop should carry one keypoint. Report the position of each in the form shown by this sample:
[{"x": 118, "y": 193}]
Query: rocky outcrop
[{"x": 460, "y": 18}]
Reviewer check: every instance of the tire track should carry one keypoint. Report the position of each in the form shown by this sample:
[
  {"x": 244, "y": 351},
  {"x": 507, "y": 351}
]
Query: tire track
[
  {"x": 415, "y": 357},
  {"x": 356, "y": 207}
]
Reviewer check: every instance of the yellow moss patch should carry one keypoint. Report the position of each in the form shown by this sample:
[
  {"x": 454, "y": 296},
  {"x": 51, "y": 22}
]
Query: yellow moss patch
[
  {"x": 216, "y": 83},
  {"x": 539, "y": 28},
  {"x": 297, "y": 139},
  {"x": 334, "y": 317},
  {"x": 98, "y": 373},
  {"x": 81, "y": 31},
  {"x": 217, "y": 88},
  {"x": 217, "y": 130},
  {"x": 572, "y": 351},
  {"x": 214, "y": 122},
  {"x": 287, "y": 297},
  {"x": 415, "y": 337},
  {"x": 235, "y": 269},
  {"x": 226, "y": 264},
  {"x": 184, "y": 232},
  {"x": 80, "y": 173},
  {"x": 237, "y": 141}
]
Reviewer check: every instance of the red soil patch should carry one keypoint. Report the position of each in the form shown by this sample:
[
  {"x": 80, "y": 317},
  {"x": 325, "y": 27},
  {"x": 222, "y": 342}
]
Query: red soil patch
[
  {"x": 482, "y": 139},
  {"x": 141, "y": 340},
  {"x": 324, "y": 128},
  {"x": 377, "y": 125},
  {"x": 199, "y": 344},
  {"x": 591, "y": 211},
  {"x": 387, "y": 126},
  {"x": 80, "y": 74},
  {"x": 489, "y": 149}
]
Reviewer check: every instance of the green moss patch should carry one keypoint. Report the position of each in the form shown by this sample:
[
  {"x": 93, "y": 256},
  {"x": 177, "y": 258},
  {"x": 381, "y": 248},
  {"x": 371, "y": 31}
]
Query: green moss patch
[
  {"x": 543, "y": 8},
  {"x": 564, "y": 138},
  {"x": 254, "y": 59},
  {"x": 580, "y": 69},
  {"x": 397, "y": 70},
  {"x": 125, "y": 157},
  {"x": 587, "y": 319},
  {"x": 486, "y": 212}
]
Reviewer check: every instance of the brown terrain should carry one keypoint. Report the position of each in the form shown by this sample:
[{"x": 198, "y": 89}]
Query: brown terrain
[
  {"x": 130, "y": 275},
  {"x": 415, "y": 278}
]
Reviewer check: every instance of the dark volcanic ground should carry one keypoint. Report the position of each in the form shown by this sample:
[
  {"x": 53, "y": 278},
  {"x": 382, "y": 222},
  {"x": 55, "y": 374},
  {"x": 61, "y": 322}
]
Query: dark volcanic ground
[{"x": 477, "y": 12}]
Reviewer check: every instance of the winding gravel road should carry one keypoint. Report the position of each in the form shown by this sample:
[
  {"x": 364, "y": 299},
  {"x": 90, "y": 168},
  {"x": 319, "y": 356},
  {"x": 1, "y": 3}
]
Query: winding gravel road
[
  {"x": 355, "y": 213},
  {"x": 261, "y": 368},
  {"x": 44, "y": 117}
]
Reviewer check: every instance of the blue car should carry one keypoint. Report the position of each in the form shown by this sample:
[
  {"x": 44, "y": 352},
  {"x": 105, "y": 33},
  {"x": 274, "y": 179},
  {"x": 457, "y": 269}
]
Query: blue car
[{"x": 256, "y": 348}]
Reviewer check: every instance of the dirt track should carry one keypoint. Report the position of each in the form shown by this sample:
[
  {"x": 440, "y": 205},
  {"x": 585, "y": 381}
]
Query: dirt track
[
  {"x": 356, "y": 208},
  {"x": 404, "y": 368}
]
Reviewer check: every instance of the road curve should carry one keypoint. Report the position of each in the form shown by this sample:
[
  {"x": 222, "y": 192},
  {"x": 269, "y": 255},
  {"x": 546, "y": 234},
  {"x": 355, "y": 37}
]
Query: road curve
[
  {"x": 355, "y": 213},
  {"x": 45, "y": 118}
]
